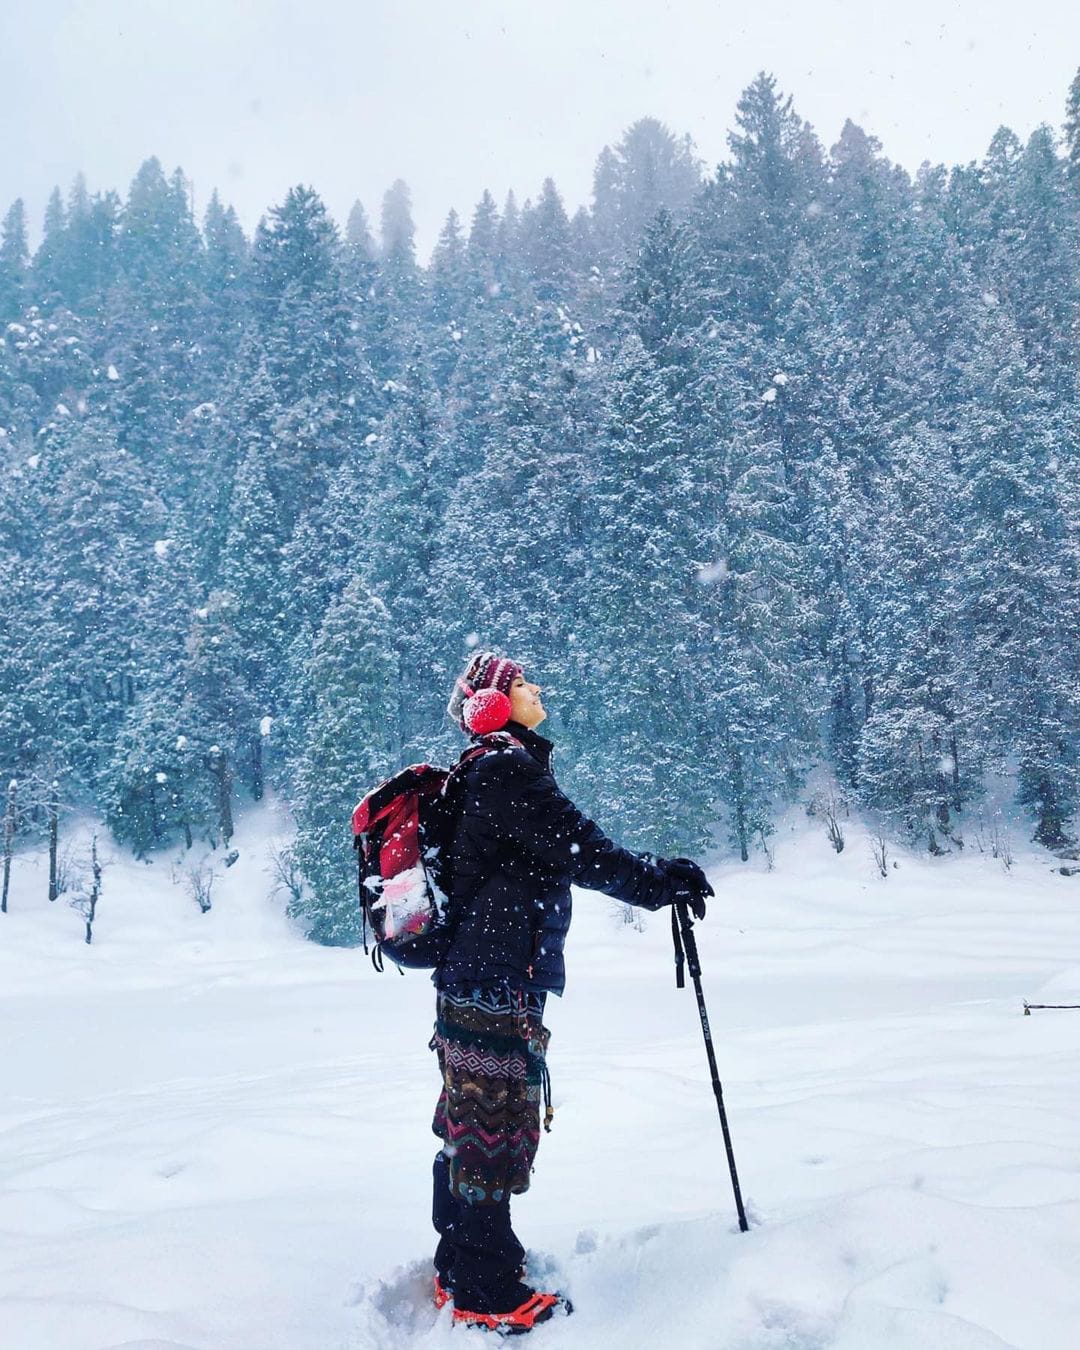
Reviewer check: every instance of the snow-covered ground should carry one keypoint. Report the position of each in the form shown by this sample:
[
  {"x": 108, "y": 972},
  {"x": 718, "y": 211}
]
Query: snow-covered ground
[{"x": 215, "y": 1135}]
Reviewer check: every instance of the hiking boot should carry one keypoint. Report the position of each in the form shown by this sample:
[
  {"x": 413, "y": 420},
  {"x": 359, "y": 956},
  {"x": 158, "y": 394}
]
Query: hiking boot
[
  {"x": 533, "y": 1310},
  {"x": 442, "y": 1294}
]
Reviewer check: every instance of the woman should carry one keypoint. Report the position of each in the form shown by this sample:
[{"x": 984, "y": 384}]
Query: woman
[{"x": 518, "y": 844}]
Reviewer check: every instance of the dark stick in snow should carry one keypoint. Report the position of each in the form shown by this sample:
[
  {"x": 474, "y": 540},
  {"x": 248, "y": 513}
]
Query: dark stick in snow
[
  {"x": 95, "y": 891},
  {"x": 9, "y": 838},
  {"x": 1063, "y": 1006},
  {"x": 54, "y": 831},
  {"x": 682, "y": 931}
]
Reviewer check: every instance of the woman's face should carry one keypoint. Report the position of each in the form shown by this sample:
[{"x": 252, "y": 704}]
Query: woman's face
[{"x": 525, "y": 706}]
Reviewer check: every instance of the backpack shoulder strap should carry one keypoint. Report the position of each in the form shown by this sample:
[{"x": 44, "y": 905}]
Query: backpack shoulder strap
[{"x": 495, "y": 740}]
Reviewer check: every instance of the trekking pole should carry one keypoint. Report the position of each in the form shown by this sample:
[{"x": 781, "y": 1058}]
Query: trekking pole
[
  {"x": 1065, "y": 1007},
  {"x": 682, "y": 932}
]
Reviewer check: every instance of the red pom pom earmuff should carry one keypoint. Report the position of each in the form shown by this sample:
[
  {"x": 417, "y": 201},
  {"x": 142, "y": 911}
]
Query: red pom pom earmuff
[{"x": 486, "y": 710}]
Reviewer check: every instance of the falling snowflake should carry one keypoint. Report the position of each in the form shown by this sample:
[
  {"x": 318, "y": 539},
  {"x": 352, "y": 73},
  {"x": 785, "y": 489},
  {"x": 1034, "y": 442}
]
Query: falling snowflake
[
  {"x": 265, "y": 724},
  {"x": 161, "y": 548},
  {"x": 112, "y": 373},
  {"x": 780, "y": 378},
  {"x": 769, "y": 396},
  {"x": 181, "y": 742}
]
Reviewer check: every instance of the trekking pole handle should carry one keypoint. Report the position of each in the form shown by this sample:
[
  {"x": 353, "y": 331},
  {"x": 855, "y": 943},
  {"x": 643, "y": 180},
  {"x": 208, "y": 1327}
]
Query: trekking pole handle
[{"x": 686, "y": 927}]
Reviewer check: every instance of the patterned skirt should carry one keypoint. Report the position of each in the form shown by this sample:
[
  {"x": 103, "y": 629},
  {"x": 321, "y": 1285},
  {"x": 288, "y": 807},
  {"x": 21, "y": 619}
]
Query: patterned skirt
[{"x": 491, "y": 1046}]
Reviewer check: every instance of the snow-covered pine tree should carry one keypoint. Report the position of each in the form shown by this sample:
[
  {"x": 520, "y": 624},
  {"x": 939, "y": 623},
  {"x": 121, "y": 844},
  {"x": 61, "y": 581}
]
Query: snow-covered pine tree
[
  {"x": 649, "y": 169},
  {"x": 14, "y": 263},
  {"x": 1072, "y": 133},
  {"x": 544, "y": 247},
  {"x": 353, "y": 674},
  {"x": 640, "y": 638},
  {"x": 218, "y": 716},
  {"x": 1017, "y": 593},
  {"x": 319, "y": 375},
  {"x": 915, "y": 748},
  {"x": 397, "y": 536},
  {"x": 762, "y": 687},
  {"x": 250, "y": 572}
]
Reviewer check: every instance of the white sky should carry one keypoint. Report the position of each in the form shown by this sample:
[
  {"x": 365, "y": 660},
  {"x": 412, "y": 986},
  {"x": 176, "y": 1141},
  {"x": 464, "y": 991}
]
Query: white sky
[{"x": 253, "y": 96}]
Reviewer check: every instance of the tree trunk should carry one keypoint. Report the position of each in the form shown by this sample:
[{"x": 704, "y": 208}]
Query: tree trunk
[
  {"x": 95, "y": 891},
  {"x": 9, "y": 841},
  {"x": 257, "y": 768},
  {"x": 740, "y": 808},
  {"x": 54, "y": 833},
  {"x": 1050, "y": 831},
  {"x": 224, "y": 797}
]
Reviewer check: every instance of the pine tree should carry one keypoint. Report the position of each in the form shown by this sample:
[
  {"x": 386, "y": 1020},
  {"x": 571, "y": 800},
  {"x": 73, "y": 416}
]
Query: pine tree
[
  {"x": 96, "y": 562},
  {"x": 226, "y": 283},
  {"x": 914, "y": 747},
  {"x": 218, "y": 716},
  {"x": 358, "y": 233},
  {"x": 642, "y": 638},
  {"x": 450, "y": 295},
  {"x": 1072, "y": 132},
  {"x": 648, "y": 170},
  {"x": 353, "y": 674},
  {"x": 316, "y": 369},
  {"x": 482, "y": 251},
  {"x": 545, "y": 246},
  {"x": 48, "y": 260},
  {"x": 249, "y": 572},
  {"x": 1018, "y": 590},
  {"x": 761, "y": 206},
  {"x": 762, "y": 692},
  {"x": 397, "y": 231},
  {"x": 14, "y": 263}
]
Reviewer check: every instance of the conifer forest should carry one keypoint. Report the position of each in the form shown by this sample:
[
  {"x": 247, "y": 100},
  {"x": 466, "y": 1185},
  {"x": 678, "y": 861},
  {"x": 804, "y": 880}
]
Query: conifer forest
[{"x": 762, "y": 469}]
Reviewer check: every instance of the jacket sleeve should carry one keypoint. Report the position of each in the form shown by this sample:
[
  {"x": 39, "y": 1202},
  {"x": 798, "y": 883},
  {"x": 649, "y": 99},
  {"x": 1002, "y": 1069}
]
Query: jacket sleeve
[{"x": 538, "y": 817}]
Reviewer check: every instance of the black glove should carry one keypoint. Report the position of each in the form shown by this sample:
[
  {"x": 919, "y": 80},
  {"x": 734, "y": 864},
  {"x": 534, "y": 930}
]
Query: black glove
[
  {"x": 685, "y": 869},
  {"x": 689, "y": 884}
]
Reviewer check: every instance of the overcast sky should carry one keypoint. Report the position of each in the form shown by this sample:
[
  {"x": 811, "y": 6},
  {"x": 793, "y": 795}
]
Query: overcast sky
[{"x": 253, "y": 96}]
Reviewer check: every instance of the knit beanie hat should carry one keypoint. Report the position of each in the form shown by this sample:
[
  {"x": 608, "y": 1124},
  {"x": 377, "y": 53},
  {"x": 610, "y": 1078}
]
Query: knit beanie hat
[{"x": 481, "y": 699}]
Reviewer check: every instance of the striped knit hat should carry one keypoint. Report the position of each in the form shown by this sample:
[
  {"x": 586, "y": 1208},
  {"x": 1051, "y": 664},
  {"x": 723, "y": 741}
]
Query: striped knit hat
[{"x": 481, "y": 699}]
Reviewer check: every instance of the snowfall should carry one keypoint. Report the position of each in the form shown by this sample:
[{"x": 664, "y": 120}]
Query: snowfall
[{"x": 216, "y": 1136}]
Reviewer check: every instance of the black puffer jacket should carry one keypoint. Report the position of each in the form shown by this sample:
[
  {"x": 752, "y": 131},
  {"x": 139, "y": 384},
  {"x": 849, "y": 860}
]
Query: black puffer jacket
[{"x": 518, "y": 844}]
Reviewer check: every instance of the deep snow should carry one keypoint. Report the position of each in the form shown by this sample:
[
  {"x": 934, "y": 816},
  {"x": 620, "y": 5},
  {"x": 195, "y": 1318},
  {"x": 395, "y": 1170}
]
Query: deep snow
[{"x": 214, "y": 1135}]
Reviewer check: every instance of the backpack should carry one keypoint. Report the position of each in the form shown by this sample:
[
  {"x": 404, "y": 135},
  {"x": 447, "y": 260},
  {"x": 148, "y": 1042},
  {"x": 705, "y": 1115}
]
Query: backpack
[{"x": 401, "y": 833}]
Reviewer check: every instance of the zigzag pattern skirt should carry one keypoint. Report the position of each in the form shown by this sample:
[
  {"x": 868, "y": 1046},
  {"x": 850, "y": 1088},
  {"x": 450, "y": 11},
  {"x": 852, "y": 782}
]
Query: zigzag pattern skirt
[{"x": 491, "y": 1046}]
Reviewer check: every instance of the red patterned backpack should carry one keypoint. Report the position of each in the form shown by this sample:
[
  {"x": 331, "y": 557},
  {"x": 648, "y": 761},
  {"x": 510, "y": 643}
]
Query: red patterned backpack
[{"x": 402, "y": 831}]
